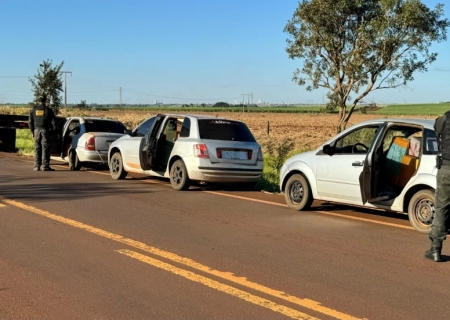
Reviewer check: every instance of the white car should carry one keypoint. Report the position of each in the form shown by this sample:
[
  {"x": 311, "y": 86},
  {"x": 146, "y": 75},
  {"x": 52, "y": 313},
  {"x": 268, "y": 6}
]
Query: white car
[
  {"x": 82, "y": 140},
  {"x": 189, "y": 148},
  {"x": 387, "y": 164}
]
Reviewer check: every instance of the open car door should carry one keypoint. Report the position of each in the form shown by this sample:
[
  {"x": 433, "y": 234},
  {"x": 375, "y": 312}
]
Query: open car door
[
  {"x": 372, "y": 166},
  {"x": 56, "y": 146},
  {"x": 147, "y": 148}
]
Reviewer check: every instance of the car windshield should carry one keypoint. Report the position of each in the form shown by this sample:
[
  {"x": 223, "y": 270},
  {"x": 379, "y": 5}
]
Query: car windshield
[
  {"x": 212, "y": 129},
  {"x": 104, "y": 126}
]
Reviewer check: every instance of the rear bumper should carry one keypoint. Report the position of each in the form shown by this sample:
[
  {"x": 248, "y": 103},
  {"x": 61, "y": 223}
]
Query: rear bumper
[
  {"x": 203, "y": 170},
  {"x": 93, "y": 156}
]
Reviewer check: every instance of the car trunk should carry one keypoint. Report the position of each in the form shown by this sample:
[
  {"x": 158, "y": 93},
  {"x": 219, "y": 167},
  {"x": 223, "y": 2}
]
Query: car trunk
[
  {"x": 228, "y": 141},
  {"x": 103, "y": 139},
  {"x": 232, "y": 152}
]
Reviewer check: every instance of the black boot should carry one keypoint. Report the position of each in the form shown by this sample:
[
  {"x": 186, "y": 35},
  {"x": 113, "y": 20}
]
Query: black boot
[{"x": 434, "y": 254}]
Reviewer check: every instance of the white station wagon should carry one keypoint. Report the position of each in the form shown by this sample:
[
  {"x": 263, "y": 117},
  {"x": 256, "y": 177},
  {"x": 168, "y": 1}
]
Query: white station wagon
[
  {"x": 189, "y": 148},
  {"x": 387, "y": 164}
]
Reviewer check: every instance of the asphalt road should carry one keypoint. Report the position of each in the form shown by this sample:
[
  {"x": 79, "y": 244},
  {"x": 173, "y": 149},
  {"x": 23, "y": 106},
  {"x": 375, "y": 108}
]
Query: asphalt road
[{"x": 79, "y": 245}]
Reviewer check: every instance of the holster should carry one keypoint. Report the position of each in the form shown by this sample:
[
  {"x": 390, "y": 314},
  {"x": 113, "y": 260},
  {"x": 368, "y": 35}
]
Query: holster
[{"x": 438, "y": 162}]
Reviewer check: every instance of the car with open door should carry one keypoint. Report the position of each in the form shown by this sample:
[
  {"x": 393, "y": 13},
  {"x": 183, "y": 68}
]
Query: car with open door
[
  {"x": 83, "y": 140},
  {"x": 387, "y": 164},
  {"x": 188, "y": 149}
]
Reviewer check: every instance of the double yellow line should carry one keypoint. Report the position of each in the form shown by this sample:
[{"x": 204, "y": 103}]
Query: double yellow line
[{"x": 292, "y": 313}]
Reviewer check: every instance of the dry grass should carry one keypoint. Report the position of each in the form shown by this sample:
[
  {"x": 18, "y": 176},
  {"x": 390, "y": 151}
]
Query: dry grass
[{"x": 307, "y": 130}]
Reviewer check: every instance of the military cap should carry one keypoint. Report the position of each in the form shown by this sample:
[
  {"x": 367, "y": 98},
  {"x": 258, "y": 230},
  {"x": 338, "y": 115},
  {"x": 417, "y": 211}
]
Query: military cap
[{"x": 42, "y": 98}]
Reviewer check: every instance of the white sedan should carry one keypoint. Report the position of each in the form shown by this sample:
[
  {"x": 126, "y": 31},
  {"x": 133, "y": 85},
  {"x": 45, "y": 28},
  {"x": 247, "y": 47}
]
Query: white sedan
[{"x": 387, "y": 164}]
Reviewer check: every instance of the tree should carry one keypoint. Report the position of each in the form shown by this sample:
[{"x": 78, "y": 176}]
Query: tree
[
  {"x": 48, "y": 80},
  {"x": 358, "y": 46},
  {"x": 221, "y": 105}
]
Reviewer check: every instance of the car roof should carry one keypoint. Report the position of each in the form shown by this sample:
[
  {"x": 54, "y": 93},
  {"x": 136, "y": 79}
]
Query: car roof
[
  {"x": 93, "y": 118},
  {"x": 198, "y": 116},
  {"x": 426, "y": 123}
]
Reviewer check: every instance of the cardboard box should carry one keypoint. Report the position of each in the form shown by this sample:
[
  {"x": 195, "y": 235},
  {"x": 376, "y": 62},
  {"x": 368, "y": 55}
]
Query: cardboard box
[
  {"x": 414, "y": 147},
  {"x": 398, "y": 148},
  {"x": 407, "y": 169}
]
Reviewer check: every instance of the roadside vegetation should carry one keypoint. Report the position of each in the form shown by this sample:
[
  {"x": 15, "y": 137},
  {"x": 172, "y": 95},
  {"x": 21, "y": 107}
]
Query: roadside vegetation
[{"x": 24, "y": 142}]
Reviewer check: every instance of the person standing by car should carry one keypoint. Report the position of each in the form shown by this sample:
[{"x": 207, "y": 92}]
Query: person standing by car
[
  {"x": 41, "y": 121},
  {"x": 441, "y": 221}
]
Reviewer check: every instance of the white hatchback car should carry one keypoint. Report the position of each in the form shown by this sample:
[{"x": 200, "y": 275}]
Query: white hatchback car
[
  {"x": 387, "y": 164},
  {"x": 189, "y": 148}
]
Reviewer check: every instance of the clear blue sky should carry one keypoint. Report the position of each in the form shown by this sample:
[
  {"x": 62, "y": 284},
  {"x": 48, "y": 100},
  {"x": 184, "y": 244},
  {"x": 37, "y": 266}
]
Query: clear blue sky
[{"x": 172, "y": 51}]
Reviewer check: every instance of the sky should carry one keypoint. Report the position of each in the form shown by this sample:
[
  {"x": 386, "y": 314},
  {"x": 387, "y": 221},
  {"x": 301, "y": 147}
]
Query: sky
[{"x": 173, "y": 51}]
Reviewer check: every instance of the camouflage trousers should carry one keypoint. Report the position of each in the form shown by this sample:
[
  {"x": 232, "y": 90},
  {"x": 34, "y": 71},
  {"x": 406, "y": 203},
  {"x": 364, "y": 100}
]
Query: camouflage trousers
[
  {"x": 441, "y": 221},
  {"x": 41, "y": 148}
]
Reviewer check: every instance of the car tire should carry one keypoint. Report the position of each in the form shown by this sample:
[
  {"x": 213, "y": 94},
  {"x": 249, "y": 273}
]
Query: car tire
[
  {"x": 298, "y": 193},
  {"x": 179, "y": 178},
  {"x": 116, "y": 168},
  {"x": 421, "y": 210},
  {"x": 74, "y": 161}
]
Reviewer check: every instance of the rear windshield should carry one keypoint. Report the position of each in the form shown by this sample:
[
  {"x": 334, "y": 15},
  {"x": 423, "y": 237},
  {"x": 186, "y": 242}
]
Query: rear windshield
[
  {"x": 224, "y": 130},
  {"x": 104, "y": 126}
]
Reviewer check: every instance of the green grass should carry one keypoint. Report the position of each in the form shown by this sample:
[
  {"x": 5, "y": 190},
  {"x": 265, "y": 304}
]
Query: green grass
[
  {"x": 24, "y": 142},
  {"x": 436, "y": 109}
]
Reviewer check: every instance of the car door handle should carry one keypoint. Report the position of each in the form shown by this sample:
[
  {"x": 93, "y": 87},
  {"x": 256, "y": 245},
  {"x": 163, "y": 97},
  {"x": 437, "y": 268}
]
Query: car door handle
[{"x": 357, "y": 164}]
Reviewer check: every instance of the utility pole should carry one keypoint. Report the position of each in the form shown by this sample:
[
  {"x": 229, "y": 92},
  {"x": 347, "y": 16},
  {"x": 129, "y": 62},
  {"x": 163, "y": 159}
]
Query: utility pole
[
  {"x": 65, "y": 86},
  {"x": 248, "y": 95},
  {"x": 121, "y": 97}
]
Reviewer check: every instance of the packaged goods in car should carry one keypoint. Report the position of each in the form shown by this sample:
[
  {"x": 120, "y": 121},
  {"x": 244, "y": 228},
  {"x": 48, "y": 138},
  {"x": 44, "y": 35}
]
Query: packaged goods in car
[{"x": 414, "y": 147}]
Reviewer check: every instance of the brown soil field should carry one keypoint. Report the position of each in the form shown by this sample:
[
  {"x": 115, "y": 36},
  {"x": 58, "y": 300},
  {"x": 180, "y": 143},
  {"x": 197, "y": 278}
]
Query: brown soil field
[{"x": 308, "y": 131}]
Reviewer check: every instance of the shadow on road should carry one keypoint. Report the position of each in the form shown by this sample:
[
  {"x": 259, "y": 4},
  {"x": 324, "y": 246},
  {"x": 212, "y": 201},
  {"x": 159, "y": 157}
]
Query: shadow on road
[
  {"x": 326, "y": 206},
  {"x": 38, "y": 192}
]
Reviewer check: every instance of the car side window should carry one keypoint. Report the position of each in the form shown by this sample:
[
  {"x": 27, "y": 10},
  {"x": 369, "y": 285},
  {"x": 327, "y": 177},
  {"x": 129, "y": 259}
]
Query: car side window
[
  {"x": 144, "y": 128},
  {"x": 357, "y": 141},
  {"x": 74, "y": 128},
  {"x": 431, "y": 142},
  {"x": 185, "y": 128}
]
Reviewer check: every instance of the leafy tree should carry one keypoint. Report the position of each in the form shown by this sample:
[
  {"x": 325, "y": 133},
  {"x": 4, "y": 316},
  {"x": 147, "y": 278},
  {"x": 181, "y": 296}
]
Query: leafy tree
[
  {"x": 48, "y": 80},
  {"x": 83, "y": 105},
  {"x": 358, "y": 46},
  {"x": 221, "y": 105}
]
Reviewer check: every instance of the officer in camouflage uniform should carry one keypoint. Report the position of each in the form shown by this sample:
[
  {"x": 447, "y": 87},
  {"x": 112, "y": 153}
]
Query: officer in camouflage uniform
[
  {"x": 441, "y": 221},
  {"x": 41, "y": 121}
]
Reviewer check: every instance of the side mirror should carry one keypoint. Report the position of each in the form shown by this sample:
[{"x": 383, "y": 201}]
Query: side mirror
[
  {"x": 128, "y": 132},
  {"x": 327, "y": 149}
]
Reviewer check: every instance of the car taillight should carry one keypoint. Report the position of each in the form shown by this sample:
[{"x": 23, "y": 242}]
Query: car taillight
[
  {"x": 260, "y": 155},
  {"x": 249, "y": 154},
  {"x": 201, "y": 151},
  {"x": 90, "y": 144}
]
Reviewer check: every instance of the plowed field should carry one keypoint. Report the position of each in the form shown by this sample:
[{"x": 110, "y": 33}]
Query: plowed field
[{"x": 307, "y": 130}]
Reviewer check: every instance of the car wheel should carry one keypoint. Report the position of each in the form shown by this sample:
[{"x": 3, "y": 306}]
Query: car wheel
[
  {"x": 116, "y": 167},
  {"x": 421, "y": 210},
  {"x": 179, "y": 178},
  {"x": 74, "y": 161},
  {"x": 298, "y": 193}
]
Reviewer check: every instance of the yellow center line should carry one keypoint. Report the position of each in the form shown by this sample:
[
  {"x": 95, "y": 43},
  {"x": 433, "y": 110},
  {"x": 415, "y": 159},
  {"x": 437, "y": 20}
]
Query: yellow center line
[
  {"x": 294, "y": 314},
  {"x": 2, "y": 205},
  {"x": 306, "y": 303}
]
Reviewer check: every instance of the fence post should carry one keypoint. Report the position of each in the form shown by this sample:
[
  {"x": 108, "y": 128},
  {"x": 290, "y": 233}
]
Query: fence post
[{"x": 268, "y": 128}]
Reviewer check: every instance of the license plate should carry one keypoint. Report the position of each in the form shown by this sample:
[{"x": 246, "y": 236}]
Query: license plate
[{"x": 234, "y": 155}]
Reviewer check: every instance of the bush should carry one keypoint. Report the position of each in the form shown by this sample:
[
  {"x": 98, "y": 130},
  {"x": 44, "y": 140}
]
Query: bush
[{"x": 274, "y": 157}]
